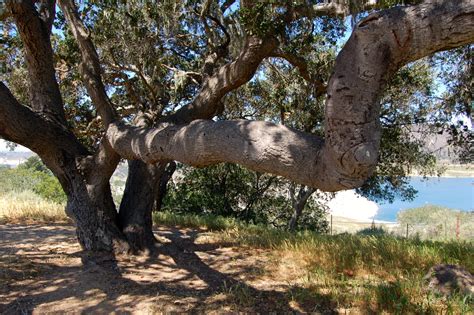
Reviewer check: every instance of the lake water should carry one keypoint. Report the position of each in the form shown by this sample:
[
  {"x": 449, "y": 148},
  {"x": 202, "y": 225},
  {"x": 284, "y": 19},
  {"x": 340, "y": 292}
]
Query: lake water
[{"x": 456, "y": 193}]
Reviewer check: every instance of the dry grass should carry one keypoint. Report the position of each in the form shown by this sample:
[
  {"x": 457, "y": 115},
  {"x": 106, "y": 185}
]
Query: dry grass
[
  {"x": 351, "y": 273},
  {"x": 348, "y": 273},
  {"x": 27, "y": 207},
  {"x": 459, "y": 170}
]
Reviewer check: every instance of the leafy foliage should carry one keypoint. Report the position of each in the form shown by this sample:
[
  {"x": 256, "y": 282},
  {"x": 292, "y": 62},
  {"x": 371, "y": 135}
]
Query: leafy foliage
[
  {"x": 233, "y": 191},
  {"x": 32, "y": 176}
]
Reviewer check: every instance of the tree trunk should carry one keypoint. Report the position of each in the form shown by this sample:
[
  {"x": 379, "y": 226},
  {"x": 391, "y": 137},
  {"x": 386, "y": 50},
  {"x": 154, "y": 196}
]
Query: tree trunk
[
  {"x": 95, "y": 218},
  {"x": 135, "y": 217},
  {"x": 163, "y": 187},
  {"x": 89, "y": 203},
  {"x": 298, "y": 203},
  {"x": 297, "y": 210}
]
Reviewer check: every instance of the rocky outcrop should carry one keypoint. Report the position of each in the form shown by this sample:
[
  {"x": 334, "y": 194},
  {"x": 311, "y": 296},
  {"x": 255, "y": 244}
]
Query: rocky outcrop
[{"x": 448, "y": 279}]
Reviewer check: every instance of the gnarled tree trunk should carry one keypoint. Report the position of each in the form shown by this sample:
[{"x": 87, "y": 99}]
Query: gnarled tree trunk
[
  {"x": 143, "y": 194},
  {"x": 95, "y": 217},
  {"x": 135, "y": 214}
]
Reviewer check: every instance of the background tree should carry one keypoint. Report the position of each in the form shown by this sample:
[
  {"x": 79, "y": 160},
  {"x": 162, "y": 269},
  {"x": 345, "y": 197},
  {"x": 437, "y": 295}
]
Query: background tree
[{"x": 232, "y": 191}]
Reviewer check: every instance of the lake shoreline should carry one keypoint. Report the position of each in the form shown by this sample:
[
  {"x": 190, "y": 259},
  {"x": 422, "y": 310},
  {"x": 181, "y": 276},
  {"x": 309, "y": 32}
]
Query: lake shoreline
[
  {"x": 450, "y": 192},
  {"x": 452, "y": 171}
]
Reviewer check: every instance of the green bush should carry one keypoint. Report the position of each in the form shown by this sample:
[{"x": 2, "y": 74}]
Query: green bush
[
  {"x": 232, "y": 191},
  {"x": 32, "y": 176},
  {"x": 372, "y": 231}
]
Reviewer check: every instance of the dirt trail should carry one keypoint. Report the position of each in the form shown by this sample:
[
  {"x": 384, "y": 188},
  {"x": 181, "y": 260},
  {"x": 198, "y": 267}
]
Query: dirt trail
[{"x": 42, "y": 269}]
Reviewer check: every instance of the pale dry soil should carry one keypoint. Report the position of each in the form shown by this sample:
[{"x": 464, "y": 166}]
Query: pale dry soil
[{"x": 43, "y": 269}]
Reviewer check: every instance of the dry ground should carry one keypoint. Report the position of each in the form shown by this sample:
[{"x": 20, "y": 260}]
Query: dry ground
[{"x": 42, "y": 269}]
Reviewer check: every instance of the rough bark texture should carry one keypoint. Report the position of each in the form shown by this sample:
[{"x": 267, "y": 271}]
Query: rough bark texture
[
  {"x": 90, "y": 65},
  {"x": 137, "y": 204},
  {"x": 84, "y": 176},
  {"x": 95, "y": 217},
  {"x": 44, "y": 93},
  {"x": 89, "y": 199},
  {"x": 163, "y": 186},
  {"x": 381, "y": 44}
]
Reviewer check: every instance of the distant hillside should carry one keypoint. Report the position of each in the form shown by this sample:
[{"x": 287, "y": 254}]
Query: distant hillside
[
  {"x": 437, "y": 144},
  {"x": 13, "y": 158}
]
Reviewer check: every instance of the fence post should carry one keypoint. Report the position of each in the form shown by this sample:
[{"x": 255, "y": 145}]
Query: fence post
[
  {"x": 407, "y": 231},
  {"x": 331, "y": 224},
  {"x": 457, "y": 226}
]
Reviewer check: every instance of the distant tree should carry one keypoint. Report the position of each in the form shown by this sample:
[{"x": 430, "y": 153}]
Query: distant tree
[
  {"x": 32, "y": 176},
  {"x": 34, "y": 163}
]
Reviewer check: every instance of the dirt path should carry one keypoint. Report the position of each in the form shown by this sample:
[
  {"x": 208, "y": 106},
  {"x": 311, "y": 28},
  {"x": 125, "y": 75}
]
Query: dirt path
[{"x": 42, "y": 269}]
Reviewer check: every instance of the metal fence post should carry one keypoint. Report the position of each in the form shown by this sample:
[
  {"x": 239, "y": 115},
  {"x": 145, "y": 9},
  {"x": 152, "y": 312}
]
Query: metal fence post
[{"x": 457, "y": 226}]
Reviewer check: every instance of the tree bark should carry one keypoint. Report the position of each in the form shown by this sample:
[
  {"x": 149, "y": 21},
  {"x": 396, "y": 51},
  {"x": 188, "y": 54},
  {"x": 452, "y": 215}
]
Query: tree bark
[
  {"x": 95, "y": 216},
  {"x": 163, "y": 187},
  {"x": 135, "y": 214},
  {"x": 297, "y": 210},
  {"x": 84, "y": 177},
  {"x": 44, "y": 93},
  {"x": 144, "y": 191}
]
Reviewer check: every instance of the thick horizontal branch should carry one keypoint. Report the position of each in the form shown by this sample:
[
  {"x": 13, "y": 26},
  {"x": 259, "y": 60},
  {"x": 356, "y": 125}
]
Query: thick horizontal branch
[
  {"x": 258, "y": 145},
  {"x": 379, "y": 46}
]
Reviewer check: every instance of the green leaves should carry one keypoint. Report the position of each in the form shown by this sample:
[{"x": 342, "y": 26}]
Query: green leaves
[{"x": 32, "y": 176}]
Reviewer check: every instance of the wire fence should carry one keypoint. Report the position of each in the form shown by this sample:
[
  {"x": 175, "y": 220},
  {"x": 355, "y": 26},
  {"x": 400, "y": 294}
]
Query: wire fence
[{"x": 457, "y": 229}]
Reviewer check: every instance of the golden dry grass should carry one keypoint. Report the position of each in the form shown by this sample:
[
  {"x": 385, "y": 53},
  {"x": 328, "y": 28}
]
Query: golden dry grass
[
  {"x": 27, "y": 207},
  {"x": 348, "y": 273}
]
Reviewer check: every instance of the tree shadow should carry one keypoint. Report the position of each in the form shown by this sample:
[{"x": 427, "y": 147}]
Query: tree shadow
[{"x": 177, "y": 266}]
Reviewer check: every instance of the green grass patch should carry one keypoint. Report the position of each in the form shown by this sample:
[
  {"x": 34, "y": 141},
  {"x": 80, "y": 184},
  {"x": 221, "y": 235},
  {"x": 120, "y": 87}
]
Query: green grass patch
[
  {"x": 210, "y": 222},
  {"x": 378, "y": 273},
  {"x": 374, "y": 253}
]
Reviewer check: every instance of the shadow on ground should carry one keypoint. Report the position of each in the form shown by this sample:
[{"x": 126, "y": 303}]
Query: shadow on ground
[{"x": 43, "y": 269}]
